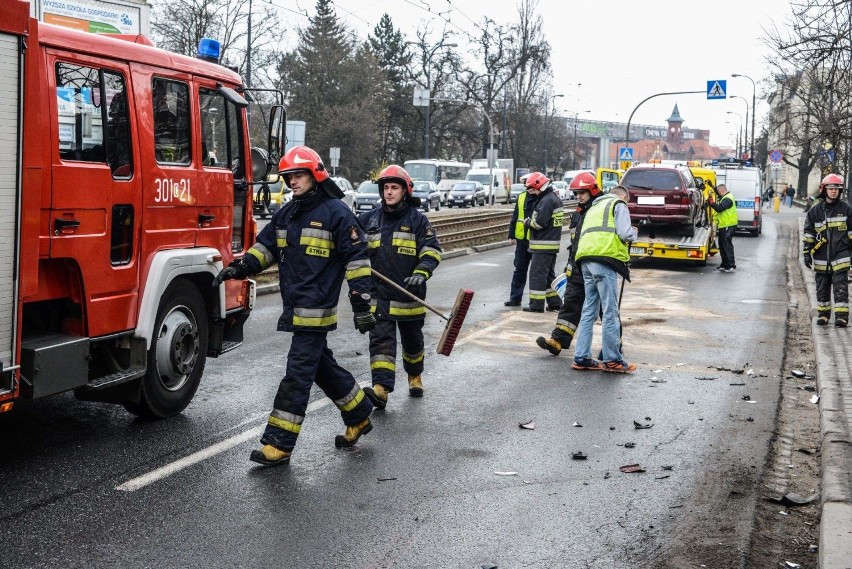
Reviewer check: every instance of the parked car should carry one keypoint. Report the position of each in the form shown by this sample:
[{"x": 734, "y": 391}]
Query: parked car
[
  {"x": 516, "y": 190},
  {"x": 662, "y": 194},
  {"x": 429, "y": 195},
  {"x": 467, "y": 194},
  {"x": 348, "y": 191},
  {"x": 561, "y": 190},
  {"x": 367, "y": 197},
  {"x": 270, "y": 198}
]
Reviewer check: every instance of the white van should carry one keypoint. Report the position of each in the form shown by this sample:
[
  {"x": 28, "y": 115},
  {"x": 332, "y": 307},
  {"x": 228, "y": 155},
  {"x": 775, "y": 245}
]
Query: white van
[
  {"x": 500, "y": 188},
  {"x": 746, "y": 184}
]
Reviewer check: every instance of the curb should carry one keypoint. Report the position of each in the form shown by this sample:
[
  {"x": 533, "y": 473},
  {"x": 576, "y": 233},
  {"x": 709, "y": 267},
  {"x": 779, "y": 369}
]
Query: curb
[{"x": 831, "y": 347}]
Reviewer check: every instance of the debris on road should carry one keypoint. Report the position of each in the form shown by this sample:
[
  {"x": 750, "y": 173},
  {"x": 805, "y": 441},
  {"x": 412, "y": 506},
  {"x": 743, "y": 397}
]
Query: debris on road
[
  {"x": 489, "y": 566},
  {"x": 705, "y": 377},
  {"x": 668, "y": 467},
  {"x": 606, "y": 475},
  {"x": 655, "y": 380},
  {"x": 815, "y": 399},
  {"x": 629, "y": 445},
  {"x": 638, "y": 425},
  {"x": 631, "y": 468},
  {"x": 746, "y": 397},
  {"x": 661, "y": 476},
  {"x": 579, "y": 455},
  {"x": 791, "y": 565},
  {"x": 528, "y": 425},
  {"x": 736, "y": 384},
  {"x": 505, "y": 473},
  {"x": 791, "y": 499},
  {"x": 798, "y": 373},
  {"x": 386, "y": 479},
  {"x": 576, "y": 424},
  {"x": 750, "y": 373}
]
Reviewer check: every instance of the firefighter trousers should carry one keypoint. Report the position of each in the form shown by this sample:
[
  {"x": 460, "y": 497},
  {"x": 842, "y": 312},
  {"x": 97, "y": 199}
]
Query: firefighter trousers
[
  {"x": 572, "y": 307},
  {"x": 383, "y": 350},
  {"x": 519, "y": 276},
  {"x": 310, "y": 361},
  {"x": 825, "y": 282},
  {"x": 541, "y": 275}
]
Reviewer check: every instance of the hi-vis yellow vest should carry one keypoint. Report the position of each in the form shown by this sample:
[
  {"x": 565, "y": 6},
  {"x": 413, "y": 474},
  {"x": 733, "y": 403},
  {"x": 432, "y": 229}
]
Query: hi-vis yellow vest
[
  {"x": 520, "y": 230},
  {"x": 728, "y": 217},
  {"x": 599, "y": 238}
]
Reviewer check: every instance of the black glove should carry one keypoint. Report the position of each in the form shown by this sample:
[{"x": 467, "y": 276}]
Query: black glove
[
  {"x": 364, "y": 321},
  {"x": 236, "y": 269},
  {"x": 809, "y": 261},
  {"x": 360, "y": 301}
]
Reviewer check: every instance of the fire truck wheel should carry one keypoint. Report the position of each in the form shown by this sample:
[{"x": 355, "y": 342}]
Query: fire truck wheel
[{"x": 177, "y": 355}]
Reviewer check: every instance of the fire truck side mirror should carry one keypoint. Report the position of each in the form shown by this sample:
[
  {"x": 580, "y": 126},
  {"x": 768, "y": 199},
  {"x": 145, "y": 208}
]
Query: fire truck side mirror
[
  {"x": 259, "y": 164},
  {"x": 277, "y": 136}
]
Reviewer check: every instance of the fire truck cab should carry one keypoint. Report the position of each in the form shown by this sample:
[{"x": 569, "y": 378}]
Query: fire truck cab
[{"x": 125, "y": 187}]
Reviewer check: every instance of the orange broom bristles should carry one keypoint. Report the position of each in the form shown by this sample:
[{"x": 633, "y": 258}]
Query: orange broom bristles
[{"x": 454, "y": 323}]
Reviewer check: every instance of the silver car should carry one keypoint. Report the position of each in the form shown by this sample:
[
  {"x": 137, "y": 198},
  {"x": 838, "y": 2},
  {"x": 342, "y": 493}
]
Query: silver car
[
  {"x": 348, "y": 191},
  {"x": 367, "y": 197}
]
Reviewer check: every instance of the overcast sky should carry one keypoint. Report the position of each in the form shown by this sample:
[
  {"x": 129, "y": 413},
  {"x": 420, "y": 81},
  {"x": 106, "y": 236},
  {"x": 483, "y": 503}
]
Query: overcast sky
[{"x": 608, "y": 55}]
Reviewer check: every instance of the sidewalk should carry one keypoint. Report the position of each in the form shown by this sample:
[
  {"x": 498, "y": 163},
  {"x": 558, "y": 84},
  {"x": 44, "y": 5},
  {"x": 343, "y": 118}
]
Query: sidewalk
[{"x": 833, "y": 353}]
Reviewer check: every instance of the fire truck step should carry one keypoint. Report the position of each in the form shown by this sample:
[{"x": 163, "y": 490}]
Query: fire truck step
[
  {"x": 114, "y": 378},
  {"x": 228, "y": 346}
]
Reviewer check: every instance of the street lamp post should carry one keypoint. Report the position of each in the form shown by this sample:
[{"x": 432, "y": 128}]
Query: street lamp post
[
  {"x": 574, "y": 144},
  {"x": 740, "y": 131},
  {"x": 753, "y": 109},
  {"x": 427, "y": 64},
  {"x": 546, "y": 120},
  {"x": 745, "y": 137}
]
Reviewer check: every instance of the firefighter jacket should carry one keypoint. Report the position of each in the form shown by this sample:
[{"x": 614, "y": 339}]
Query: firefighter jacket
[
  {"x": 546, "y": 223},
  {"x": 827, "y": 235},
  {"x": 574, "y": 229},
  {"x": 402, "y": 243},
  {"x": 317, "y": 242},
  {"x": 523, "y": 209}
]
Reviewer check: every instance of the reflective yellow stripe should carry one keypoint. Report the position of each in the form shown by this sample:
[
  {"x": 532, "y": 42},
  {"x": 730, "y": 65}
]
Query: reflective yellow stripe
[
  {"x": 429, "y": 252},
  {"x": 352, "y": 399},
  {"x": 281, "y": 238},
  {"x": 383, "y": 365},
  {"x": 316, "y": 242},
  {"x": 314, "y": 317},
  {"x": 407, "y": 311},
  {"x": 422, "y": 272},
  {"x": 356, "y": 273},
  {"x": 413, "y": 359},
  {"x": 286, "y": 421},
  {"x": 404, "y": 243},
  {"x": 374, "y": 244}
]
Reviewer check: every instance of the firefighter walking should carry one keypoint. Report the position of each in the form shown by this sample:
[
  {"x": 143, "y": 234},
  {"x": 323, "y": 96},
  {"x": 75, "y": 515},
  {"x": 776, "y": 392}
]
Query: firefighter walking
[
  {"x": 519, "y": 234},
  {"x": 316, "y": 241},
  {"x": 545, "y": 226},
  {"x": 826, "y": 249},
  {"x": 403, "y": 247},
  {"x": 585, "y": 187}
]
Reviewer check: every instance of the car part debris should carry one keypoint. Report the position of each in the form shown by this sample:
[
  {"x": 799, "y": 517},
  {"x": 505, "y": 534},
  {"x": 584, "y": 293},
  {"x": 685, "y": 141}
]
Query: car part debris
[
  {"x": 631, "y": 468},
  {"x": 668, "y": 467},
  {"x": 576, "y": 424},
  {"x": 606, "y": 475},
  {"x": 791, "y": 565},
  {"x": 386, "y": 479},
  {"x": 738, "y": 371},
  {"x": 655, "y": 380},
  {"x": 489, "y": 566},
  {"x": 706, "y": 377},
  {"x": 736, "y": 384},
  {"x": 750, "y": 373},
  {"x": 791, "y": 499},
  {"x": 815, "y": 399},
  {"x": 638, "y": 425},
  {"x": 661, "y": 476},
  {"x": 797, "y": 373},
  {"x": 528, "y": 425},
  {"x": 505, "y": 473},
  {"x": 629, "y": 445},
  {"x": 579, "y": 455},
  {"x": 750, "y": 419}
]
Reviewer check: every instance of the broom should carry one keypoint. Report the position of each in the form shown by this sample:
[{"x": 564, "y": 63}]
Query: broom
[{"x": 454, "y": 319}]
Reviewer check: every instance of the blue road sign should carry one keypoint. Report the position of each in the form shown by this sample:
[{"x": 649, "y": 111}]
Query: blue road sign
[
  {"x": 776, "y": 156},
  {"x": 625, "y": 153},
  {"x": 717, "y": 89}
]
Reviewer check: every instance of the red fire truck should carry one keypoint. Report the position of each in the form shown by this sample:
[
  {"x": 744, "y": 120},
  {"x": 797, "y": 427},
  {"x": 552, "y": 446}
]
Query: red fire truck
[{"x": 125, "y": 176}]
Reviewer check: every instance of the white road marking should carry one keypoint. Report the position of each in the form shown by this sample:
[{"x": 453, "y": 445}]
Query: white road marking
[{"x": 167, "y": 470}]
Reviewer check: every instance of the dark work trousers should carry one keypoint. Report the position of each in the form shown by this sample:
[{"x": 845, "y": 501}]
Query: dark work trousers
[
  {"x": 572, "y": 306},
  {"x": 725, "y": 235},
  {"x": 825, "y": 282},
  {"x": 310, "y": 361},
  {"x": 541, "y": 275},
  {"x": 522, "y": 265},
  {"x": 383, "y": 350}
]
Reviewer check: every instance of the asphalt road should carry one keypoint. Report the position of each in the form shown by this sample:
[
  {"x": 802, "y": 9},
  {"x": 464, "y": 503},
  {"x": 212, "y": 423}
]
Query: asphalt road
[{"x": 85, "y": 485}]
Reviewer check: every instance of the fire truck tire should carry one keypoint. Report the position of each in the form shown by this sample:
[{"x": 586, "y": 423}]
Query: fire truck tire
[{"x": 177, "y": 355}]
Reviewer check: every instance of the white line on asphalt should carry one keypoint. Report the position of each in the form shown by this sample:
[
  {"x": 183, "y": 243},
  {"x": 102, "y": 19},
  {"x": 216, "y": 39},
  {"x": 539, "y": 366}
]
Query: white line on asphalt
[{"x": 167, "y": 470}]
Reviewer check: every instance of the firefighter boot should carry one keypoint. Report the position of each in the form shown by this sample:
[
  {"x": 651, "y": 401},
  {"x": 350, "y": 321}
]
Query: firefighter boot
[
  {"x": 415, "y": 386},
  {"x": 270, "y": 456},
  {"x": 353, "y": 433},
  {"x": 549, "y": 344},
  {"x": 378, "y": 394}
]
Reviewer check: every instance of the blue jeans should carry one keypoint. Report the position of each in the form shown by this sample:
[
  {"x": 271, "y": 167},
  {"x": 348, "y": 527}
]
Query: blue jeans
[
  {"x": 788, "y": 201},
  {"x": 600, "y": 284}
]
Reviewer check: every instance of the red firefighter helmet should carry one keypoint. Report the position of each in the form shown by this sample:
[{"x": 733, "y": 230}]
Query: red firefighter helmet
[
  {"x": 302, "y": 158},
  {"x": 585, "y": 182},
  {"x": 537, "y": 181},
  {"x": 831, "y": 180},
  {"x": 394, "y": 173}
]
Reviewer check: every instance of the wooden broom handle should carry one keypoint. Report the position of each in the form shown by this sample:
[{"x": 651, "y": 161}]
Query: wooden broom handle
[{"x": 408, "y": 293}]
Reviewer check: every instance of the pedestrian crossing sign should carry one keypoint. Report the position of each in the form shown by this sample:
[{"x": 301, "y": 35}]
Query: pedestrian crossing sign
[
  {"x": 717, "y": 88},
  {"x": 625, "y": 154}
]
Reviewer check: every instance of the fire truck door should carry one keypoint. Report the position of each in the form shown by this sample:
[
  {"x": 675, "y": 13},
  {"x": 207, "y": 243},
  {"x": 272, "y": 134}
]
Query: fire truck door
[{"x": 96, "y": 195}]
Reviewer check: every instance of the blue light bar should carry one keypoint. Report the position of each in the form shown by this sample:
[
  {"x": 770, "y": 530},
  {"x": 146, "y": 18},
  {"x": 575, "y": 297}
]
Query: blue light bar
[{"x": 209, "y": 49}]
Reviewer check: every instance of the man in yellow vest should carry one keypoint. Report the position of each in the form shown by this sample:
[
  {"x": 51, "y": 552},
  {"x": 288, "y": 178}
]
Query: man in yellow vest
[
  {"x": 726, "y": 223},
  {"x": 602, "y": 254},
  {"x": 519, "y": 234}
]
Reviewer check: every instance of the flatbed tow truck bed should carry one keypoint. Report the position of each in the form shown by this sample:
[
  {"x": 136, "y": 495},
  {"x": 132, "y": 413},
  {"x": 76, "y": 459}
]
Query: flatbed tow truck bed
[{"x": 666, "y": 243}]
